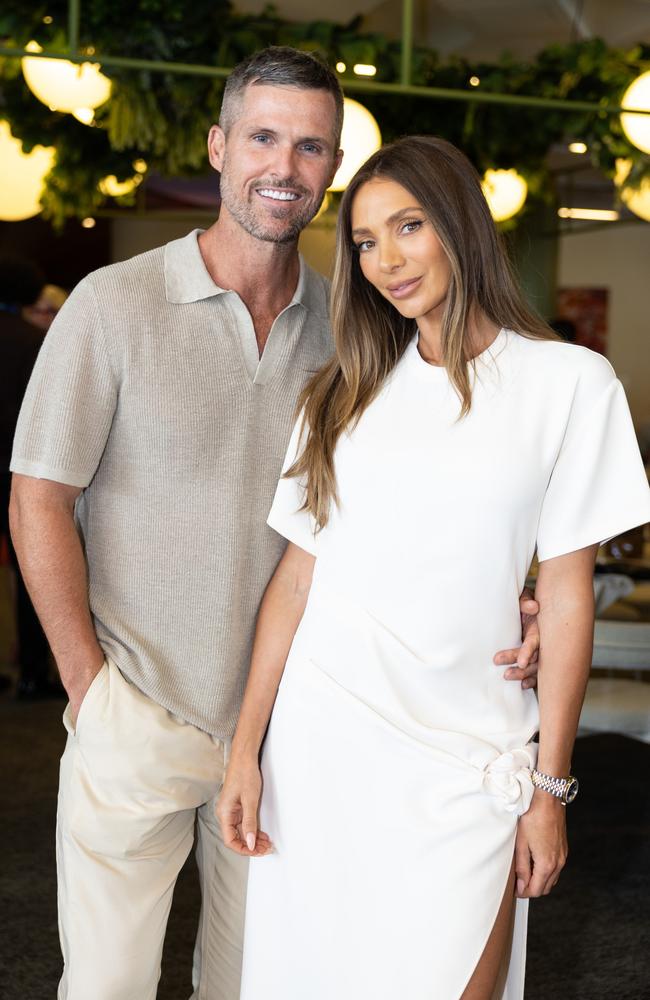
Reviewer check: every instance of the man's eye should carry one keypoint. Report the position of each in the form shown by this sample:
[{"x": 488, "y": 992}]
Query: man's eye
[
  {"x": 309, "y": 147},
  {"x": 261, "y": 138}
]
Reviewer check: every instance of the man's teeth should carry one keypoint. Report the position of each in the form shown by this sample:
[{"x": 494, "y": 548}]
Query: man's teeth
[{"x": 278, "y": 195}]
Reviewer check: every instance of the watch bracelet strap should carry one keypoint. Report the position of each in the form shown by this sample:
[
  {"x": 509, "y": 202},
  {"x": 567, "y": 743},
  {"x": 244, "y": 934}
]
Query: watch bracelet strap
[{"x": 555, "y": 786}]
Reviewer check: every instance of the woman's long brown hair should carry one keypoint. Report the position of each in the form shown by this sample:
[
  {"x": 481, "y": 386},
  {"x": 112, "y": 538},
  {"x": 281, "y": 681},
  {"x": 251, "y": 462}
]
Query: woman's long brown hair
[{"x": 370, "y": 335}]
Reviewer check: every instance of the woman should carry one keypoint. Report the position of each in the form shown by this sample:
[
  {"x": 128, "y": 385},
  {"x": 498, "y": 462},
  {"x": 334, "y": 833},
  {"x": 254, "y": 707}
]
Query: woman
[{"x": 450, "y": 436}]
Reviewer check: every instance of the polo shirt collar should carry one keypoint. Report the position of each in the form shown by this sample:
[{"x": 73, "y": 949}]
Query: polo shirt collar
[
  {"x": 186, "y": 276},
  {"x": 187, "y": 279}
]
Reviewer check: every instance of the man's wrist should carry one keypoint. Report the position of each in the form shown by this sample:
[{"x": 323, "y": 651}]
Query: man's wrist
[
  {"x": 77, "y": 677},
  {"x": 244, "y": 754}
]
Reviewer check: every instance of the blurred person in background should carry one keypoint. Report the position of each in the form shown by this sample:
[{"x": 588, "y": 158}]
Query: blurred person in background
[
  {"x": 42, "y": 312},
  {"x": 21, "y": 285}
]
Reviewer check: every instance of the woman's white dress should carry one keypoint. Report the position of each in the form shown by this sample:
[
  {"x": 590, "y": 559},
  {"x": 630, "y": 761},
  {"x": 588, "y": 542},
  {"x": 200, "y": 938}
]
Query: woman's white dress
[{"x": 398, "y": 758}]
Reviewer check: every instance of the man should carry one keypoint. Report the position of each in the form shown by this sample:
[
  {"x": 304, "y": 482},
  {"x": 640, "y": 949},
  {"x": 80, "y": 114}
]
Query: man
[{"x": 155, "y": 426}]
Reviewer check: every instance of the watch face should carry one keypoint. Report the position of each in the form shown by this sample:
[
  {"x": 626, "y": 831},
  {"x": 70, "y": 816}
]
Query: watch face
[{"x": 571, "y": 790}]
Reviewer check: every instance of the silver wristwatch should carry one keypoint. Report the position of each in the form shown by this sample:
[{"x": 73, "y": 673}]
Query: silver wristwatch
[{"x": 564, "y": 789}]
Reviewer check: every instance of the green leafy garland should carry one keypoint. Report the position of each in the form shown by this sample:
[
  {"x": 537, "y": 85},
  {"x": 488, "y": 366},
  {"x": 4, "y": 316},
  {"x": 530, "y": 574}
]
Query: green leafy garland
[{"x": 163, "y": 118}]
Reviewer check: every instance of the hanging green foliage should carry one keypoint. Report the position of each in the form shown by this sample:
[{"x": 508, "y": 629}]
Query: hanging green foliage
[{"x": 164, "y": 118}]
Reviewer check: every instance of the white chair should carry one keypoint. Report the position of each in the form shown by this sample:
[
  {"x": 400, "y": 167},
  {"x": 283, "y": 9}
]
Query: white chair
[{"x": 613, "y": 704}]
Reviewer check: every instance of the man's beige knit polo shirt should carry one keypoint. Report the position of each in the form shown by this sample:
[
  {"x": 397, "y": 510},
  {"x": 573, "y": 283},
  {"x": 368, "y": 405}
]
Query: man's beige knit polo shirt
[{"x": 149, "y": 394}]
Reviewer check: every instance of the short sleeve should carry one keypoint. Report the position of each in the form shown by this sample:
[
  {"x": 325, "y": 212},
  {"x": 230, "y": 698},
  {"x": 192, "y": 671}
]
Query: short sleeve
[
  {"x": 286, "y": 517},
  {"x": 71, "y": 397},
  {"x": 598, "y": 487}
]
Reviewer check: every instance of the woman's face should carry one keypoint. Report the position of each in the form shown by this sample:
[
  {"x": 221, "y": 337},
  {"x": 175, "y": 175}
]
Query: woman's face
[{"x": 399, "y": 251}]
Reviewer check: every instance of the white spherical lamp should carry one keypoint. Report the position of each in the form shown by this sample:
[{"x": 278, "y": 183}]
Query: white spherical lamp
[
  {"x": 637, "y": 199},
  {"x": 637, "y": 127},
  {"x": 63, "y": 85},
  {"x": 21, "y": 176},
  {"x": 360, "y": 138},
  {"x": 505, "y": 192}
]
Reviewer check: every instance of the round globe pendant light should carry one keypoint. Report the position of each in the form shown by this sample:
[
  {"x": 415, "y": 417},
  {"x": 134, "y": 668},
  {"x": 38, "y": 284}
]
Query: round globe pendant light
[
  {"x": 505, "y": 192},
  {"x": 63, "y": 85},
  {"x": 360, "y": 138},
  {"x": 21, "y": 176},
  {"x": 637, "y": 127},
  {"x": 637, "y": 199}
]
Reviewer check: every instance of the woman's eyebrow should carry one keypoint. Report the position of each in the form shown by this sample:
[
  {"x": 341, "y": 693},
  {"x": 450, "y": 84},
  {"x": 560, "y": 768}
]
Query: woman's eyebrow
[{"x": 390, "y": 220}]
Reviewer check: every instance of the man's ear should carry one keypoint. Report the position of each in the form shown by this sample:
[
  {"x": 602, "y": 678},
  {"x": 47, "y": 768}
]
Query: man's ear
[
  {"x": 337, "y": 163},
  {"x": 216, "y": 147}
]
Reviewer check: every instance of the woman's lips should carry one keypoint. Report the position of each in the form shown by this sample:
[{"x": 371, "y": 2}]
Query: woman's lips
[{"x": 404, "y": 288}]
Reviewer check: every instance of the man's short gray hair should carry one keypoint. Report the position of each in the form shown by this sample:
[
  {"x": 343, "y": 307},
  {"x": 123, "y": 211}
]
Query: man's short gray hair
[{"x": 280, "y": 66}]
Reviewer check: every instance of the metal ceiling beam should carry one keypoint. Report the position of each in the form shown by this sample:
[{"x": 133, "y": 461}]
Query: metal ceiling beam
[
  {"x": 407, "y": 41},
  {"x": 74, "y": 17}
]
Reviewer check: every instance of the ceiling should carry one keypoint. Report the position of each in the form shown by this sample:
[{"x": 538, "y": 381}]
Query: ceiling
[{"x": 483, "y": 29}]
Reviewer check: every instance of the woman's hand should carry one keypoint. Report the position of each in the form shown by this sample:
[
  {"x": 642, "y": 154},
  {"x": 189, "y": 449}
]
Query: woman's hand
[
  {"x": 541, "y": 848},
  {"x": 237, "y": 810}
]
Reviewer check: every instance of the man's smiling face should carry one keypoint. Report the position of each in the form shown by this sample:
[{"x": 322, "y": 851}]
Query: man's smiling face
[{"x": 277, "y": 160}]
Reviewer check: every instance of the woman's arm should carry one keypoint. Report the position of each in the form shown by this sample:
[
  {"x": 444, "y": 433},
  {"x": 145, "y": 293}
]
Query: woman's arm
[
  {"x": 280, "y": 612},
  {"x": 565, "y": 595}
]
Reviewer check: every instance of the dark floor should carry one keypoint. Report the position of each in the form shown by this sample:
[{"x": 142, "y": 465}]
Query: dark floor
[{"x": 590, "y": 940}]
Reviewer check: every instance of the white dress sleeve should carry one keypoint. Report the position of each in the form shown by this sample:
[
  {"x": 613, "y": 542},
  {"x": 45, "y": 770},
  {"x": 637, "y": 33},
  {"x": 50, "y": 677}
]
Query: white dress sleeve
[
  {"x": 286, "y": 517},
  {"x": 598, "y": 487}
]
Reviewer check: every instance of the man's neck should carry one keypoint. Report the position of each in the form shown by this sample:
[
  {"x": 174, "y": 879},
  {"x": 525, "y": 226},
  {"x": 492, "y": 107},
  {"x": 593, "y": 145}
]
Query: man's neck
[{"x": 264, "y": 275}]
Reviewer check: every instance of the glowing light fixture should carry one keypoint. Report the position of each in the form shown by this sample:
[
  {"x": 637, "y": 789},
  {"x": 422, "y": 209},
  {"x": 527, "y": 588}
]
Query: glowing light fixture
[
  {"x": 505, "y": 192},
  {"x": 64, "y": 86},
  {"x": 474, "y": 81},
  {"x": 578, "y": 147},
  {"x": 340, "y": 67},
  {"x": 593, "y": 214},
  {"x": 112, "y": 188},
  {"x": 21, "y": 176},
  {"x": 88, "y": 222},
  {"x": 637, "y": 199},
  {"x": 84, "y": 115},
  {"x": 637, "y": 127},
  {"x": 359, "y": 140},
  {"x": 364, "y": 69}
]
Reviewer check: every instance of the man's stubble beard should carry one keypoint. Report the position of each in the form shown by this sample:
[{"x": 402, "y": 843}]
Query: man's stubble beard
[{"x": 244, "y": 214}]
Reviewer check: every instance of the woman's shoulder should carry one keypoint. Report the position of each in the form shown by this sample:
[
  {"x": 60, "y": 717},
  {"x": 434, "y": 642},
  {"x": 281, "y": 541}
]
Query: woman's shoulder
[{"x": 568, "y": 363}]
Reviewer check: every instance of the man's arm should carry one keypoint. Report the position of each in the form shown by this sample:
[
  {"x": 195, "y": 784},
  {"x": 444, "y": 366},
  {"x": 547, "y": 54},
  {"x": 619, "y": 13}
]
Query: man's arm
[{"x": 41, "y": 517}]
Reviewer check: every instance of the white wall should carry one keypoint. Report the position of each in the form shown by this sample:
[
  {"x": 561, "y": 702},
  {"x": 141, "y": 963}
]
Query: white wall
[
  {"x": 135, "y": 235},
  {"x": 618, "y": 258}
]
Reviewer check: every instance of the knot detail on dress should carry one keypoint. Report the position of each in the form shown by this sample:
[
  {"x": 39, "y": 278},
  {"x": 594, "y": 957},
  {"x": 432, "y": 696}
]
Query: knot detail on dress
[{"x": 508, "y": 778}]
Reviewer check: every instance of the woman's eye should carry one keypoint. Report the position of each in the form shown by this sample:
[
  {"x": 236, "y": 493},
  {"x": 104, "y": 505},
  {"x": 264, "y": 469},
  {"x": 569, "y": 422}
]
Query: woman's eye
[
  {"x": 364, "y": 246},
  {"x": 411, "y": 226}
]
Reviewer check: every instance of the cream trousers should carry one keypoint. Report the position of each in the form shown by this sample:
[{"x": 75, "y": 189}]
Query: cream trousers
[{"x": 135, "y": 783}]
